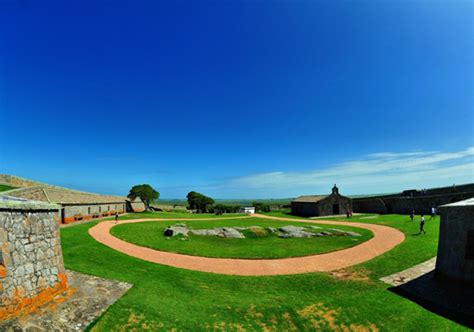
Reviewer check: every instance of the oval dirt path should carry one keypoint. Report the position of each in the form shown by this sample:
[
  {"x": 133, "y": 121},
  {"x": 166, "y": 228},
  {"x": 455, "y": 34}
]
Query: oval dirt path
[{"x": 385, "y": 238}]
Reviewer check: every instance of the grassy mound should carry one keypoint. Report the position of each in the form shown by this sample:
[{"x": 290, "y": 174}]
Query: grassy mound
[{"x": 259, "y": 242}]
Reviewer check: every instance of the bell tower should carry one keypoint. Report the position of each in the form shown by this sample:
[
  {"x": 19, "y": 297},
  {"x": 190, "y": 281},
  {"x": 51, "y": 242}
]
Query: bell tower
[{"x": 335, "y": 190}]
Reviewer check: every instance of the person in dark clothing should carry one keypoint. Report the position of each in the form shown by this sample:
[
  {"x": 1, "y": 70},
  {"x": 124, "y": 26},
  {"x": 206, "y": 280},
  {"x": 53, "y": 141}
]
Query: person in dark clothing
[
  {"x": 412, "y": 215},
  {"x": 422, "y": 225},
  {"x": 116, "y": 217}
]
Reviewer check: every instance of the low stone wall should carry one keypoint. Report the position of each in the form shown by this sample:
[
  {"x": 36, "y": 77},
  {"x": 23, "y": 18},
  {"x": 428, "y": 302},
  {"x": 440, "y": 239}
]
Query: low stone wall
[
  {"x": 456, "y": 242},
  {"x": 31, "y": 261}
]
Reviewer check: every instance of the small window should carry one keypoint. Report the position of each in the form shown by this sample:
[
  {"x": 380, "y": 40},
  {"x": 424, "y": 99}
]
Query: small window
[
  {"x": 88, "y": 210},
  {"x": 470, "y": 245},
  {"x": 108, "y": 208},
  {"x": 100, "y": 209}
]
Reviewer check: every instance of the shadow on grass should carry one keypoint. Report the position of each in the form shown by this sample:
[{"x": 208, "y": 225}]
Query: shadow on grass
[{"x": 452, "y": 300}]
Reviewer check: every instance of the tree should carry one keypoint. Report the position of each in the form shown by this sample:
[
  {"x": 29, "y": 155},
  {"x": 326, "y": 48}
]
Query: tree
[
  {"x": 145, "y": 192},
  {"x": 261, "y": 207},
  {"x": 224, "y": 208},
  {"x": 199, "y": 202}
]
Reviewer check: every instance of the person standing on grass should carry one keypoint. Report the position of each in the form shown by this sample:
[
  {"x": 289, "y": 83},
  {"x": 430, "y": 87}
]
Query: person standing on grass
[
  {"x": 433, "y": 213},
  {"x": 422, "y": 225},
  {"x": 412, "y": 215},
  {"x": 116, "y": 217}
]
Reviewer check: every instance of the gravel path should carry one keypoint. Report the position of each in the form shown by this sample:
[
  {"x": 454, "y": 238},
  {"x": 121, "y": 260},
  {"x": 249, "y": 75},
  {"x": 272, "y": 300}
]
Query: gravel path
[{"x": 385, "y": 238}]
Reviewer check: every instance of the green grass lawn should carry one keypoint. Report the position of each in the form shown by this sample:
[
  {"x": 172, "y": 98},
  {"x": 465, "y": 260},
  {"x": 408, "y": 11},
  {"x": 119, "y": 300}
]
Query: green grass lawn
[
  {"x": 4, "y": 187},
  {"x": 165, "y": 298},
  {"x": 150, "y": 234},
  {"x": 414, "y": 250}
]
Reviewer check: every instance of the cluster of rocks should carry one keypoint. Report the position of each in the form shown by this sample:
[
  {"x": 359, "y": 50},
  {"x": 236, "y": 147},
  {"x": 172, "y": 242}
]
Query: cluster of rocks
[
  {"x": 312, "y": 231},
  {"x": 181, "y": 229},
  {"x": 236, "y": 232}
]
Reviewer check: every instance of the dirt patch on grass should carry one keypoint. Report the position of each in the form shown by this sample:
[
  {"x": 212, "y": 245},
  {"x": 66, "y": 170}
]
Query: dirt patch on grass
[
  {"x": 321, "y": 317},
  {"x": 351, "y": 275},
  {"x": 135, "y": 322}
]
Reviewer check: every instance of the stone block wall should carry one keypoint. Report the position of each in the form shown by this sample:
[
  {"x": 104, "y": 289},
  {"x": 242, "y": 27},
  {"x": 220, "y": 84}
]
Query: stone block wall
[
  {"x": 31, "y": 261},
  {"x": 456, "y": 242},
  {"x": 326, "y": 205}
]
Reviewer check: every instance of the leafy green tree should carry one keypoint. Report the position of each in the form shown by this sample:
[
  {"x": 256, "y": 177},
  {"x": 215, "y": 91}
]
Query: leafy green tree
[
  {"x": 224, "y": 208},
  {"x": 261, "y": 207},
  {"x": 145, "y": 192},
  {"x": 199, "y": 202}
]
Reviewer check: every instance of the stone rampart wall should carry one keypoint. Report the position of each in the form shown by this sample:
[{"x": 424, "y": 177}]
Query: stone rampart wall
[
  {"x": 369, "y": 205},
  {"x": 404, "y": 205}
]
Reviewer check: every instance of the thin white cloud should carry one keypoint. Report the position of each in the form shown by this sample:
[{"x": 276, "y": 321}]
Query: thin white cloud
[{"x": 378, "y": 171}]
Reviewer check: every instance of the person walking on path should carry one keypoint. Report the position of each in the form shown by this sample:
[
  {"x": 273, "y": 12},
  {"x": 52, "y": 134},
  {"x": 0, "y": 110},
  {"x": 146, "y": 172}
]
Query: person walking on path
[
  {"x": 412, "y": 215},
  {"x": 116, "y": 217},
  {"x": 433, "y": 213},
  {"x": 422, "y": 225}
]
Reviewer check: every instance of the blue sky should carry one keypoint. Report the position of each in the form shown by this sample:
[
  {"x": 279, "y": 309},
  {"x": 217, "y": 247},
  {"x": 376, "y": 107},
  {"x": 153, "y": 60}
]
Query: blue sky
[{"x": 238, "y": 99}]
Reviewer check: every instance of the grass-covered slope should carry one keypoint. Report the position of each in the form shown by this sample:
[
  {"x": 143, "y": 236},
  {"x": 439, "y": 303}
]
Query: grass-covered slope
[{"x": 255, "y": 245}]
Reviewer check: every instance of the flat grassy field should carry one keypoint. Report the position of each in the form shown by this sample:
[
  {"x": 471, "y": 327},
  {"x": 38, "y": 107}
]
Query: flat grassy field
[
  {"x": 166, "y": 298},
  {"x": 267, "y": 245}
]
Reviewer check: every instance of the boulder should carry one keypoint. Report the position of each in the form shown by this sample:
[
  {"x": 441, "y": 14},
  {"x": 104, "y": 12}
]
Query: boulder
[
  {"x": 353, "y": 234},
  {"x": 176, "y": 230},
  {"x": 272, "y": 230},
  {"x": 208, "y": 232},
  {"x": 226, "y": 232},
  {"x": 324, "y": 233},
  {"x": 294, "y": 231},
  {"x": 231, "y": 233}
]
